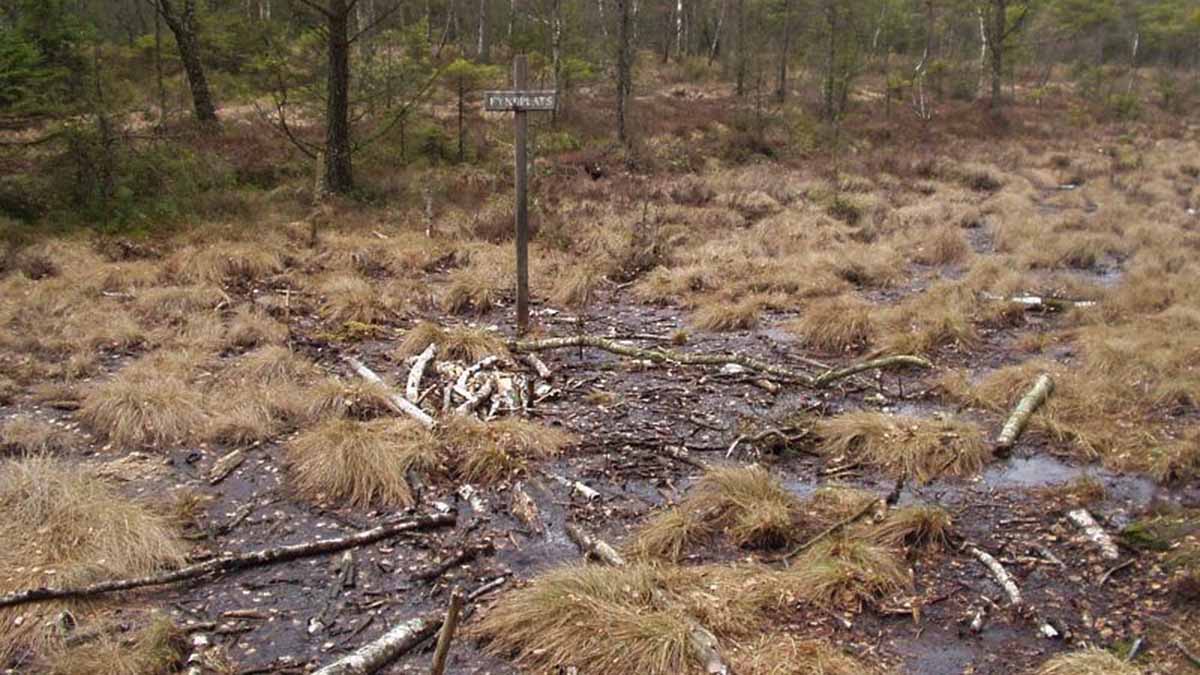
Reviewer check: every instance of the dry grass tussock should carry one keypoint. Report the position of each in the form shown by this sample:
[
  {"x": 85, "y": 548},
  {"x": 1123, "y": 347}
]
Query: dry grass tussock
[
  {"x": 914, "y": 527},
  {"x": 150, "y": 403},
  {"x": 916, "y": 448},
  {"x": 461, "y": 343},
  {"x": 1092, "y": 661},
  {"x": 272, "y": 365},
  {"x": 484, "y": 279},
  {"x": 29, "y": 435},
  {"x": 948, "y": 314},
  {"x": 349, "y": 298},
  {"x": 174, "y": 304},
  {"x": 784, "y": 654},
  {"x": 834, "y": 325},
  {"x": 155, "y": 649},
  {"x": 601, "y": 620},
  {"x": 362, "y": 463},
  {"x": 490, "y": 451},
  {"x": 842, "y": 571},
  {"x": 86, "y": 531},
  {"x": 249, "y": 328},
  {"x": 719, "y": 313},
  {"x": 224, "y": 262},
  {"x": 747, "y": 504}
]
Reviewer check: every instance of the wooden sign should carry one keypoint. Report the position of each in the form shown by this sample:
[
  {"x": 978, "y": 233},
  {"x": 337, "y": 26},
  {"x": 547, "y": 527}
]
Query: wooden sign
[
  {"x": 520, "y": 101},
  {"x": 513, "y": 101}
]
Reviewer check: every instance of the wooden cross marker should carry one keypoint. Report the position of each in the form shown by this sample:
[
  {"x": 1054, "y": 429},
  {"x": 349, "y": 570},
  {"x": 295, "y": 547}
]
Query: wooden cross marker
[{"x": 519, "y": 101}]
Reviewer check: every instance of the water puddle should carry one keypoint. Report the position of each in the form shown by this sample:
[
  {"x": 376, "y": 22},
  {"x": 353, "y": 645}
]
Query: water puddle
[{"x": 1042, "y": 471}]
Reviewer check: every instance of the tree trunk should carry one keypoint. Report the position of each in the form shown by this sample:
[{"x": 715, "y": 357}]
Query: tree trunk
[
  {"x": 182, "y": 23},
  {"x": 485, "y": 40},
  {"x": 742, "y": 54},
  {"x": 715, "y": 48},
  {"x": 339, "y": 175},
  {"x": 623, "y": 68},
  {"x": 1000, "y": 25},
  {"x": 830, "y": 60},
  {"x": 785, "y": 52}
]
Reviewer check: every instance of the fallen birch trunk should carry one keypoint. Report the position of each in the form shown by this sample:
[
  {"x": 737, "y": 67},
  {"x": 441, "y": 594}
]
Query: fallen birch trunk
[
  {"x": 702, "y": 642},
  {"x": 1010, "y": 587},
  {"x": 395, "y": 401},
  {"x": 701, "y": 359},
  {"x": 1040, "y": 302},
  {"x": 230, "y": 562},
  {"x": 1093, "y": 530},
  {"x": 1030, "y": 402},
  {"x": 396, "y": 642},
  {"x": 413, "y": 389},
  {"x": 446, "y": 636}
]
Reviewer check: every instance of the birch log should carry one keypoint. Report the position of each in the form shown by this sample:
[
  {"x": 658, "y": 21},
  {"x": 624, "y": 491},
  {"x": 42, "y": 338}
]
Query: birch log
[
  {"x": 1030, "y": 402},
  {"x": 1010, "y": 587},
  {"x": 395, "y": 401},
  {"x": 413, "y": 387},
  {"x": 1085, "y": 522},
  {"x": 386, "y": 648},
  {"x": 230, "y": 562}
]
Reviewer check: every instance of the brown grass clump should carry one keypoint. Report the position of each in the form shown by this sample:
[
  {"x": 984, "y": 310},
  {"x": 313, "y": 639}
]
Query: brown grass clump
[
  {"x": 920, "y": 449},
  {"x": 273, "y": 365},
  {"x": 144, "y": 406},
  {"x": 26, "y": 434},
  {"x": 349, "y": 298},
  {"x": 86, "y": 531},
  {"x": 462, "y": 343},
  {"x": 783, "y": 654},
  {"x": 946, "y": 314},
  {"x": 246, "y": 417},
  {"x": 748, "y": 504},
  {"x": 155, "y": 649},
  {"x": 483, "y": 282},
  {"x": 362, "y": 463},
  {"x": 944, "y": 245},
  {"x": 602, "y": 620},
  {"x": 914, "y": 527},
  {"x": 224, "y": 262},
  {"x": 576, "y": 288},
  {"x": 489, "y": 451},
  {"x": 1091, "y": 661},
  {"x": 169, "y": 304},
  {"x": 843, "y": 572},
  {"x": 717, "y": 313},
  {"x": 837, "y": 324},
  {"x": 249, "y": 328}
]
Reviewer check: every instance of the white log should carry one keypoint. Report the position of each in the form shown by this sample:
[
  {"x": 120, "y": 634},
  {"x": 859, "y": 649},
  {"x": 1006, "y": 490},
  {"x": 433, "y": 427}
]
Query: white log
[
  {"x": 413, "y": 388},
  {"x": 1030, "y": 402},
  {"x": 538, "y": 365},
  {"x": 576, "y": 486},
  {"x": 1093, "y": 530},
  {"x": 396, "y": 402},
  {"x": 475, "y": 399}
]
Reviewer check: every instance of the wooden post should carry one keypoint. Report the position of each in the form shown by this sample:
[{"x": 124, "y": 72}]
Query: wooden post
[{"x": 521, "y": 122}]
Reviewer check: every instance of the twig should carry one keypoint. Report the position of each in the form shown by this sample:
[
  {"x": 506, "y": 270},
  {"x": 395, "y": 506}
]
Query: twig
[
  {"x": 1113, "y": 570},
  {"x": 230, "y": 562},
  {"x": 447, "y": 633},
  {"x": 832, "y": 529},
  {"x": 1187, "y": 654}
]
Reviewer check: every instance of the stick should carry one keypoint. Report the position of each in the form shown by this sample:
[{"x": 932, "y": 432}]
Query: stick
[
  {"x": 413, "y": 389},
  {"x": 538, "y": 365},
  {"x": 700, "y": 359},
  {"x": 396, "y": 402},
  {"x": 832, "y": 529},
  {"x": 1029, "y": 404},
  {"x": 230, "y": 562},
  {"x": 447, "y": 633},
  {"x": 576, "y": 486},
  {"x": 1085, "y": 521},
  {"x": 397, "y": 641},
  {"x": 225, "y": 466},
  {"x": 998, "y": 572},
  {"x": 884, "y": 363},
  {"x": 703, "y": 643},
  {"x": 475, "y": 399}
]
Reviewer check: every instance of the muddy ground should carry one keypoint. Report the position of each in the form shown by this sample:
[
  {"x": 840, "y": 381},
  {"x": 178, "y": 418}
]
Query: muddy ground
[{"x": 288, "y": 618}]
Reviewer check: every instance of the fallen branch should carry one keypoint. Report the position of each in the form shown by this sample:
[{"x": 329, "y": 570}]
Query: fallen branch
[
  {"x": 583, "y": 489},
  {"x": 702, "y": 359},
  {"x": 225, "y": 466},
  {"x": 397, "y": 641},
  {"x": 396, "y": 402},
  {"x": 481, "y": 395},
  {"x": 446, "y": 636},
  {"x": 1010, "y": 587},
  {"x": 884, "y": 363},
  {"x": 231, "y": 562},
  {"x": 871, "y": 507},
  {"x": 538, "y": 365},
  {"x": 702, "y": 642},
  {"x": 464, "y": 555},
  {"x": 1029, "y": 404},
  {"x": 413, "y": 388},
  {"x": 524, "y": 509},
  {"x": 1085, "y": 522},
  {"x": 1041, "y": 303}
]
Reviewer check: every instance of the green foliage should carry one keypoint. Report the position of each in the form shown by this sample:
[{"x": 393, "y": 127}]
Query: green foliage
[
  {"x": 21, "y": 71},
  {"x": 556, "y": 142},
  {"x": 1124, "y": 106}
]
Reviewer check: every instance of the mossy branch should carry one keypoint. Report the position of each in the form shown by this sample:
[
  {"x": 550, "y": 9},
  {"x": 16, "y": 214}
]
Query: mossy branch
[{"x": 707, "y": 359}]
